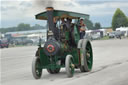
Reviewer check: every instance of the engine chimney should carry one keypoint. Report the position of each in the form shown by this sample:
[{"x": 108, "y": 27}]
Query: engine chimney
[
  {"x": 51, "y": 23},
  {"x": 50, "y": 18},
  {"x": 49, "y": 8}
]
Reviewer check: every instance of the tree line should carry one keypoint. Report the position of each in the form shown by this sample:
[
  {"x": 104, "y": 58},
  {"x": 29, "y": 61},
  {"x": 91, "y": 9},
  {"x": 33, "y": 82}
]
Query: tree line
[
  {"x": 92, "y": 26},
  {"x": 22, "y": 27},
  {"x": 26, "y": 27}
]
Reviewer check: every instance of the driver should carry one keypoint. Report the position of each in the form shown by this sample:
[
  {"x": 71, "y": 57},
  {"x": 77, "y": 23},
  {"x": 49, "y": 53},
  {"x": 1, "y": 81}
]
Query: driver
[
  {"x": 68, "y": 23},
  {"x": 63, "y": 23},
  {"x": 55, "y": 31}
]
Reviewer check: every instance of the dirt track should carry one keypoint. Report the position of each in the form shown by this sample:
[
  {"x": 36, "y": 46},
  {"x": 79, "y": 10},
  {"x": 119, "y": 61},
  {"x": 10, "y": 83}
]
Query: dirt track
[{"x": 110, "y": 66}]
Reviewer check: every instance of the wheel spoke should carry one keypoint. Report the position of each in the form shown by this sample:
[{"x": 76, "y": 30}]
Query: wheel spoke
[
  {"x": 88, "y": 56},
  {"x": 71, "y": 67},
  {"x": 89, "y": 62}
]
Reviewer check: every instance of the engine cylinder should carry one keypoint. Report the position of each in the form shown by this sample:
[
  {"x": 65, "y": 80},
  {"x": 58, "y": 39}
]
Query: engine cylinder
[{"x": 52, "y": 47}]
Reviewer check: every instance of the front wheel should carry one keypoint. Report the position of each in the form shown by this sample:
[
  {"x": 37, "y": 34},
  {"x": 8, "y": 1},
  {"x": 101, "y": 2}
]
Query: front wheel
[
  {"x": 69, "y": 66},
  {"x": 36, "y": 68}
]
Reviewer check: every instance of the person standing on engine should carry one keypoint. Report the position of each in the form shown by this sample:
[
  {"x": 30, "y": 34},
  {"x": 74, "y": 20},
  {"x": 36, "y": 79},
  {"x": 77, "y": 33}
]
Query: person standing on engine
[
  {"x": 63, "y": 23},
  {"x": 82, "y": 29},
  {"x": 68, "y": 23}
]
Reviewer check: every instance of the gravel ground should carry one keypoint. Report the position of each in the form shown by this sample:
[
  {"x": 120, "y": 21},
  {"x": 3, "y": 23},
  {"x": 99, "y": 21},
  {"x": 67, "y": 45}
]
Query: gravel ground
[{"x": 110, "y": 66}]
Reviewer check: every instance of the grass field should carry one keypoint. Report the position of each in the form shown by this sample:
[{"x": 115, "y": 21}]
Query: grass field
[{"x": 105, "y": 38}]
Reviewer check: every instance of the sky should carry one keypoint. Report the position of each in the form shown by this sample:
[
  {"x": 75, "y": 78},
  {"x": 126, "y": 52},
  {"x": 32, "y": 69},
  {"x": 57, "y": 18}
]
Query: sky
[{"x": 13, "y": 12}]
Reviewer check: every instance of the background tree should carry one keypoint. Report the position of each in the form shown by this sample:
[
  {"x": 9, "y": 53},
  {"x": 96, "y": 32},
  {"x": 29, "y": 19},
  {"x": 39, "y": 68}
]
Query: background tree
[
  {"x": 37, "y": 26},
  {"x": 127, "y": 19},
  {"x": 97, "y": 25},
  {"x": 89, "y": 24},
  {"x": 22, "y": 27},
  {"x": 119, "y": 19}
]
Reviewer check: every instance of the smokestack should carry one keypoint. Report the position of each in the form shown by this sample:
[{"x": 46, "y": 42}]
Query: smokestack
[
  {"x": 51, "y": 23},
  {"x": 49, "y": 11}
]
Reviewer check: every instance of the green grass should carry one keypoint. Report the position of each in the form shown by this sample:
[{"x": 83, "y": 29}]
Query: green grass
[
  {"x": 105, "y": 38},
  {"x": 16, "y": 45},
  {"x": 19, "y": 45}
]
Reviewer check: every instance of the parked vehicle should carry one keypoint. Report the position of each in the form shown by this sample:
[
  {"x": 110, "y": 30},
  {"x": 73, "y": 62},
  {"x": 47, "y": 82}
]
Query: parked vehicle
[
  {"x": 20, "y": 41},
  {"x": 95, "y": 36},
  {"x": 112, "y": 35},
  {"x": 36, "y": 41},
  {"x": 27, "y": 42},
  {"x": 118, "y": 34},
  {"x": 4, "y": 44}
]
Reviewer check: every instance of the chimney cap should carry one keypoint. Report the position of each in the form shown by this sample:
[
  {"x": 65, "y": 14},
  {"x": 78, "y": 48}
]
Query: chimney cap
[{"x": 49, "y": 8}]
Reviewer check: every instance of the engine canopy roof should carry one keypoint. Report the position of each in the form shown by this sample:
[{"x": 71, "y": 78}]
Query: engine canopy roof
[{"x": 62, "y": 14}]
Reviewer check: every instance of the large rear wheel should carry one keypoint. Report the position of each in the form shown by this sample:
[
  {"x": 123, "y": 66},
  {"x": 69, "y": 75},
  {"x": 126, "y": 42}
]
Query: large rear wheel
[
  {"x": 36, "y": 68},
  {"x": 87, "y": 56},
  {"x": 69, "y": 65}
]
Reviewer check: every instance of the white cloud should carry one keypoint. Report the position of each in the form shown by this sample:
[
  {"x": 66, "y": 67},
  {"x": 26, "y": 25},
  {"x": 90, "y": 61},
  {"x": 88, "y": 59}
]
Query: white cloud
[
  {"x": 12, "y": 10},
  {"x": 98, "y": 9}
]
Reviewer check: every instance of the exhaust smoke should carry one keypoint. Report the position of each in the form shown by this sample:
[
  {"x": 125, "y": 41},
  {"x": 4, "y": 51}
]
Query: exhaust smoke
[{"x": 44, "y": 3}]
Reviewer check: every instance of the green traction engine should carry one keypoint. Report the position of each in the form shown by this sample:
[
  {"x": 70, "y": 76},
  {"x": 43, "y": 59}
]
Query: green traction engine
[{"x": 63, "y": 47}]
